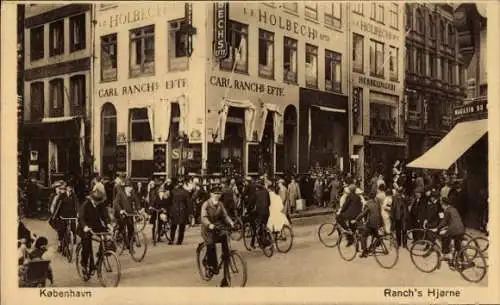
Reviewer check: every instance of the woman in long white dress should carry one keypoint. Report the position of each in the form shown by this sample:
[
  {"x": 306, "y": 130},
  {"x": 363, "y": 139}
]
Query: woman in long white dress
[{"x": 277, "y": 217}]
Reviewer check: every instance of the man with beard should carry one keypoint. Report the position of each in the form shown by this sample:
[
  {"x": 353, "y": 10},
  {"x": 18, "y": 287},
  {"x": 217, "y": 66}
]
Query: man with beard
[{"x": 180, "y": 210}]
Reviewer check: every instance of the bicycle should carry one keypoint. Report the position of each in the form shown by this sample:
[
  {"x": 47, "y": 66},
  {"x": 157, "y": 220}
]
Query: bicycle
[
  {"x": 159, "y": 228},
  {"x": 106, "y": 257},
  {"x": 416, "y": 234},
  {"x": 138, "y": 241},
  {"x": 329, "y": 233},
  {"x": 68, "y": 242},
  {"x": 379, "y": 246},
  {"x": 283, "y": 235},
  {"x": 264, "y": 237},
  {"x": 482, "y": 243},
  {"x": 202, "y": 261},
  {"x": 141, "y": 218},
  {"x": 237, "y": 230},
  {"x": 461, "y": 261}
]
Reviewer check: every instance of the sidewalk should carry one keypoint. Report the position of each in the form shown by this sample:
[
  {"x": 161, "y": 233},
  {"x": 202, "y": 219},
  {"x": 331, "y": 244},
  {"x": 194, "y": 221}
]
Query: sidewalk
[{"x": 312, "y": 211}]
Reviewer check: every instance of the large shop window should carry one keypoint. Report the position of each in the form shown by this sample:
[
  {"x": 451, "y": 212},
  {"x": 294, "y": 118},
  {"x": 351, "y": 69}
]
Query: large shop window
[
  {"x": 394, "y": 16},
  {"x": 358, "y": 53},
  {"x": 333, "y": 14},
  {"x": 177, "y": 46},
  {"x": 333, "y": 71},
  {"x": 332, "y": 142},
  {"x": 139, "y": 125},
  {"x": 77, "y": 33},
  {"x": 290, "y": 60},
  {"x": 383, "y": 119},
  {"x": 78, "y": 94},
  {"x": 433, "y": 113},
  {"x": 238, "y": 48},
  {"x": 266, "y": 54},
  {"x": 311, "y": 10},
  {"x": 37, "y": 100},
  {"x": 376, "y": 58},
  {"x": 311, "y": 66},
  {"x": 56, "y": 95},
  {"x": 142, "y": 51},
  {"x": 393, "y": 63},
  {"x": 37, "y": 43},
  {"x": 109, "y": 55},
  {"x": 56, "y": 38},
  {"x": 108, "y": 140}
]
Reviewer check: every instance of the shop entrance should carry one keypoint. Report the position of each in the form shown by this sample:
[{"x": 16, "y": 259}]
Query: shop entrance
[
  {"x": 266, "y": 164},
  {"x": 290, "y": 139}
]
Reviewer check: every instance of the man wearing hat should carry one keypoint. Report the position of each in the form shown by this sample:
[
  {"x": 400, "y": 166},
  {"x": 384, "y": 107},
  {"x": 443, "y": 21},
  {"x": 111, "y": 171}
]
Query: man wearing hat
[
  {"x": 434, "y": 211},
  {"x": 92, "y": 216},
  {"x": 180, "y": 210},
  {"x": 119, "y": 183},
  {"x": 125, "y": 203},
  {"x": 57, "y": 201},
  {"x": 350, "y": 210},
  {"x": 161, "y": 202}
]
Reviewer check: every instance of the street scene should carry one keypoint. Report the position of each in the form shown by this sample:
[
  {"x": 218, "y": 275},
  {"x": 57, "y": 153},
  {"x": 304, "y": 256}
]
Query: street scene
[{"x": 224, "y": 144}]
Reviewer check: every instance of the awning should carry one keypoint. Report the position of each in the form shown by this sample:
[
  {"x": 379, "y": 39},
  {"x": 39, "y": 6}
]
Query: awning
[
  {"x": 328, "y": 109},
  {"x": 56, "y": 128},
  {"x": 452, "y": 146}
]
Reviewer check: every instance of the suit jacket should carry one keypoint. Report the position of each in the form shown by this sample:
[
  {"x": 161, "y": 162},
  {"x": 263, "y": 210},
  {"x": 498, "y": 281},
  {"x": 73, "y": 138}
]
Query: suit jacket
[
  {"x": 124, "y": 202},
  {"x": 372, "y": 213},
  {"x": 452, "y": 222},
  {"x": 263, "y": 201},
  {"x": 95, "y": 217},
  {"x": 250, "y": 195},
  {"x": 432, "y": 215},
  {"x": 181, "y": 206},
  {"x": 352, "y": 207},
  {"x": 399, "y": 210}
]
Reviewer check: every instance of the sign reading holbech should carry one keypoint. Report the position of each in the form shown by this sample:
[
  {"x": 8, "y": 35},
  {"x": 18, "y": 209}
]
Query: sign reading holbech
[{"x": 220, "y": 29}]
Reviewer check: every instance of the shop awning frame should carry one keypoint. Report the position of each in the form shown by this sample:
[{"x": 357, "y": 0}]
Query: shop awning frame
[{"x": 447, "y": 151}]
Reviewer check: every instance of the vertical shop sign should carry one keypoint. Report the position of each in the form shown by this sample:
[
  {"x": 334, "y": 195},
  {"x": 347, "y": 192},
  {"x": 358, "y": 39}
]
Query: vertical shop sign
[
  {"x": 188, "y": 13},
  {"x": 220, "y": 30}
]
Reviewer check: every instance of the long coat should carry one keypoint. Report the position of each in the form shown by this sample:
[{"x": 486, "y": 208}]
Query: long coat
[
  {"x": 293, "y": 193},
  {"x": 283, "y": 193},
  {"x": 181, "y": 206},
  {"x": 212, "y": 214},
  {"x": 263, "y": 201},
  {"x": 334, "y": 190}
]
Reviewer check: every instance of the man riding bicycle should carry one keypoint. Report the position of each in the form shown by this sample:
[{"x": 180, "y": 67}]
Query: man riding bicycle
[
  {"x": 124, "y": 204},
  {"x": 450, "y": 228},
  {"x": 214, "y": 215},
  {"x": 371, "y": 213},
  {"x": 259, "y": 215},
  {"x": 349, "y": 211}
]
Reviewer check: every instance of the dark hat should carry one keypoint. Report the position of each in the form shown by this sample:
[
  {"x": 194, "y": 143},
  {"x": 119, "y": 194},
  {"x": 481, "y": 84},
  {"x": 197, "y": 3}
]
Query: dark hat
[
  {"x": 128, "y": 182},
  {"x": 40, "y": 242},
  {"x": 445, "y": 200},
  {"x": 216, "y": 190},
  {"x": 97, "y": 196}
]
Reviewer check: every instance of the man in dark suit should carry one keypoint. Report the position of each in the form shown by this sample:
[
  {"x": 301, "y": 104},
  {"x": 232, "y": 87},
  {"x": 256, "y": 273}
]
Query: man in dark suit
[
  {"x": 180, "y": 210},
  {"x": 371, "y": 212},
  {"x": 349, "y": 211},
  {"x": 399, "y": 216},
  {"x": 60, "y": 206},
  {"x": 451, "y": 228},
  {"x": 249, "y": 194},
  {"x": 126, "y": 202},
  {"x": 261, "y": 211}
]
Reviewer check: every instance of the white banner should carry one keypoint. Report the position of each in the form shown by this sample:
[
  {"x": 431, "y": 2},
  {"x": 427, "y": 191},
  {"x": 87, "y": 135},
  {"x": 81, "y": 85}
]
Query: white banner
[{"x": 223, "y": 112}]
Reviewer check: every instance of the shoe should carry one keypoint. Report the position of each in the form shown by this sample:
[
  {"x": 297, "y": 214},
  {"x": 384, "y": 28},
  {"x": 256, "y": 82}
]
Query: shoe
[
  {"x": 363, "y": 254},
  {"x": 224, "y": 283},
  {"x": 170, "y": 243}
]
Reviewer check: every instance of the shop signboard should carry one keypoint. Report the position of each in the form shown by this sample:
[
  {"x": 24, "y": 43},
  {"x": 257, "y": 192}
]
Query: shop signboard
[{"x": 221, "y": 47}]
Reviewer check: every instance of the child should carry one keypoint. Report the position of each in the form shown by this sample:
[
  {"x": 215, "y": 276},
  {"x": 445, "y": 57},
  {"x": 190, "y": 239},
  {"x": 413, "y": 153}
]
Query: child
[{"x": 40, "y": 253}]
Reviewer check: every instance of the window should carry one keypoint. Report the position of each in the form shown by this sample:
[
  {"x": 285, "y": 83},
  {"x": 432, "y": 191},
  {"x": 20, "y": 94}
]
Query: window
[
  {"x": 433, "y": 30},
  {"x": 433, "y": 65},
  {"x": 394, "y": 16},
  {"x": 443, "y": 32},
  {"x": 444, "y": 77},
  {"x": 56, "y": 39},
  {"x": 377, "y": 12},
  {"x": 451, "y": 75},
  {"x": 393, "y": 63},
  {"x": 108, "y": 139},
  {"x": 238, "y": 48},
  {"x": 36, "y": 43},
  {"x": 291, "y": 6},
  {"x": 383, "y": 120},
  {"x": 373, "y": 11},
  {"x": 333, "y": 14},
  {"x": 420, "y": 62},
  {"x": 409, "y": 17},
  {"x": 177, "y": 46},
  {"x": 139, "y": 125},
  {"x": 290, "y": 60},
  {"x": 56, "y": 97},
  {"x": 77, "y": 33},
  {"x": 142, "y": 51},
  {"x": 77, "y": 94},
  {"x": 410, "y": 60},
  {"x": 358, "y": 53},
  {"x": 450, "y": 36},
  {"x": 357, "y": 7},
  {"x": 420, "y": 22},
  {"x": 266, "y": 54},
  {"x": 311, "y": 66},
  {"x": 380, "y": 13},
  {"x": 109, "y": 55},
  {"x": 311, "y": 11},
  {"x": 333, "y": 71},
  {"x": 37, "y": 102},
  {"x": 376, "y": 58},
  {"x": 461, "y": 72}
]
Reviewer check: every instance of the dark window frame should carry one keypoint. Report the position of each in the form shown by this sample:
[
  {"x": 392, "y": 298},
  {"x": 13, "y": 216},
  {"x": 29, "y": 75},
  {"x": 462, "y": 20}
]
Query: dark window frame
[
  {"x": 142, "y": 35},
  {"x": 332, "y": 60},
  {"x": 362, "y": 40},
  {"x": 394, "y": 16},
  {"x": 311, "y": 50},
  {"x": 73, "y": 22},
  {"x": 331, "y": 18},
  {"x": 138, "y": 122},
  {"x": 59, "y": 49},
  {"x": 267, "y": 38},
  {"x": 78, "y": 94},
  {"x": 311, "y": 11},
  {"x": 38, "y": 104},
  {"x": 241, "y": 29},
  {"x": 377, "y": 73},
  {"x": 108, "y": 41},
  {"x": 59, "y": 110},
  {"x": 37, "y": 47},
  {"x": 290, "y": 44}
]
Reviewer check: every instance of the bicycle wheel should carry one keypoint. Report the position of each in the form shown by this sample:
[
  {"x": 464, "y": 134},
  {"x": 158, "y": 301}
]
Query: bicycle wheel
[
  {"x": 201, "y": 262},
  {"x": 138, "y": 247},
  {"x": 387, "y": 252},
  {"x": 480, "y": 242},
  {"x": 165, "y": 230},
  {"x": 247, "y": 236},
  {"x": 328, "y": 234},
  {"x": 119, "y": 241},
  {"x": 424, "y": 256},
  {"x": 83, "y": 275},
  {"x": 267, "y": 244},
  {"x": 471, "y": 266},
  {"x": 347, "y": 246},
  {"x": 284, "y": 239},
  {"x": 237, "y": 231},
  {"x": 109, "y": 266},
  {"x": 237, "y": 270}
]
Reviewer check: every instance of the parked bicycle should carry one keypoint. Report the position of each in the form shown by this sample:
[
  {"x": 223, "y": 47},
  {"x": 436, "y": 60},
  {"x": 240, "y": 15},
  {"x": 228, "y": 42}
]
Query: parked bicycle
[
  {"x": 107, "y": 262},
  {"x": 161, "y": 227},
  {"x": 236, "y": 264},
  {"x": 68, "y": 242},
  {"x": 137, "y": 247}
]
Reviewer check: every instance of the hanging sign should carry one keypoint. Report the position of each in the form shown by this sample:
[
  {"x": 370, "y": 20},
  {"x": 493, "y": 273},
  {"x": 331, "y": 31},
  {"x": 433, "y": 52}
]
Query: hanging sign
[{"x": 221, "y": 49}]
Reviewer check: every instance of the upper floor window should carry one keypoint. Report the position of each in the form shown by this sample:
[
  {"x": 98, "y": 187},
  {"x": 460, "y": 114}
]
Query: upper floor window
[
  {"x": 266, "y": 54},
  {"x": 432, "y": 25},
  {"x": 77, "y": 33},
  {"x": 410, "y": 63},
  {"x": 311, "y": 11},
  {"x": 142, "y": 51},
  {"x": 333, "y": 14},
  {"x": 56, "y": 97},
  {"x": 139, "y": 125},
  {"x": 358, "y": 52},
  {"x": 311, "y": 66},
  {"x": 77, "y": 94},
  {"x": 451, "y": 74},
  {"x": 409, "y": 17},
  {"x": 109, "y": 55},
  {"x": 442, "y": 30},
  {"x": 291, "y": 6},
  {"x": 56, "y": 38},
  {"x": 420, "y": 22},
  {"x": 377, "y": 12},
  {"x": 421, "y": 62},
  {"x": 290, "y": 60},
  {"x": 450, "y": 36},
  {"x": 333, "y": 71},
  {"x": 394, "y": 63},
  {"x": 357, "y": 7},
  {"x": 461, "y": 76},
  {"x": 394, "y": 16},
  {"x": 433, "y": 65},
  {"x": 444, "y": 70},
  {"x": 37, "y": 100},
  {"x": 238, "y": 48},
  {"x": 36, "y": 43},
  {"x": 177, "y": 46},
  {"x": 376, "y": 58}
]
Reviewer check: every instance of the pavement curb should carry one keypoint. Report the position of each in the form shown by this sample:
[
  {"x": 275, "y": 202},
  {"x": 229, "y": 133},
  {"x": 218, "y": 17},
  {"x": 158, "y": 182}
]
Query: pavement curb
[{"x": 311, "y": 214}]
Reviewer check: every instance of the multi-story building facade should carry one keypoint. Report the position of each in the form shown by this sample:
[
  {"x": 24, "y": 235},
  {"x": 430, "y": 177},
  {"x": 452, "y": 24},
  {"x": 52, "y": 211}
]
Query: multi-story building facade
[
  {"x": 434, "y": 74},
  {"x": 57, "y": 86},
  {"x": 377, "y": 42},
  {"x": 239, "y": 88}
]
